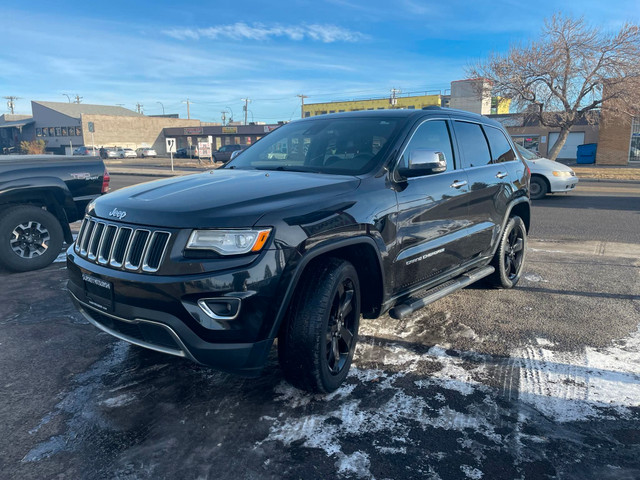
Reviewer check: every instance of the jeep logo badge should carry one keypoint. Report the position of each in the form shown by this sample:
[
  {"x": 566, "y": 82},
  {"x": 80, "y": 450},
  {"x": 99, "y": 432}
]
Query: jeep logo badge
[{"x": 119, "y": 214}]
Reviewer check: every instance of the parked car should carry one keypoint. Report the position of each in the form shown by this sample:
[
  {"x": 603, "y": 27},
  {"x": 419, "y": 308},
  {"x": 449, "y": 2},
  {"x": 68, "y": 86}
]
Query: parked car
[
  {"x": 547, "y": 176},
  {"x": 223, "y": 154},
  {"x": 146, "y": 152},
  {"x": 106, "y": 153},
  {"x": 187, "y": 152},
  {"x": 86, "y": 151},
  {"x": 39, "y": 196},
  {"x": 368, "y": 212},
  {"x": 126, "y": 153}
]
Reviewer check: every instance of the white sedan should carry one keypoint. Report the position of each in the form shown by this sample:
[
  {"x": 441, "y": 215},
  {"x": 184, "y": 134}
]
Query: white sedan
[
  {"x": 126, "y": 153},
  {"x": 547, "y": 176},
  {"x": 146, "y": 152}
]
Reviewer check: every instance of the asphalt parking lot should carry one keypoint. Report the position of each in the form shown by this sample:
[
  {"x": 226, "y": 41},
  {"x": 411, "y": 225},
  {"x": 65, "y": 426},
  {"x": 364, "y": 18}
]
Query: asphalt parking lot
[{"x": 542, "y": 381}]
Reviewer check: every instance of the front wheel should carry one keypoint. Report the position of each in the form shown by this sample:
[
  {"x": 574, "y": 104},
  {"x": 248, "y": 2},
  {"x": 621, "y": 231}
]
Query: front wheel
[
  {"x": 30, "y": 238},
  {"x": 538, "y": 188},
  {"x": 509, "y": 258},
  {"x": 317, "y": 342}
]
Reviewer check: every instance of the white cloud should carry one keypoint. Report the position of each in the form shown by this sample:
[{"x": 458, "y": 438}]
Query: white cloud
[{"x": 325, "y": 33}]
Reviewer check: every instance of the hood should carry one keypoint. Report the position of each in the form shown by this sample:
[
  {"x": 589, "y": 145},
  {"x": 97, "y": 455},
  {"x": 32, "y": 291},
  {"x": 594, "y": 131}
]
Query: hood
[
  {"x": 223, "y": 198},
  {"x": 544, "y": 165}
]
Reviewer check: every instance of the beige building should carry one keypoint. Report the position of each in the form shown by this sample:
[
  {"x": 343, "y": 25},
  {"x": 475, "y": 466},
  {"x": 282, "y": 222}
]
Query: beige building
[{"x": 64, "y": 126}]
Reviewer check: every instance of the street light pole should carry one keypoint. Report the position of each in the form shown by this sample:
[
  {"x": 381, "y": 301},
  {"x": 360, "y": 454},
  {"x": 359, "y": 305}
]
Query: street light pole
[{"x": 162, "y": 107}]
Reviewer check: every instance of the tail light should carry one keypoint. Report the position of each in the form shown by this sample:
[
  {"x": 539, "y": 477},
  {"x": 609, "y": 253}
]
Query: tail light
[{"x": 106, "y": 178}]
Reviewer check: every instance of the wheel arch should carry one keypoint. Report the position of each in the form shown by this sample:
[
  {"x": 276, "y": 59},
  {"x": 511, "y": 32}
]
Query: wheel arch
[
  {"x": 545, "y": 179},
  {"x": 363, "y": 254}
]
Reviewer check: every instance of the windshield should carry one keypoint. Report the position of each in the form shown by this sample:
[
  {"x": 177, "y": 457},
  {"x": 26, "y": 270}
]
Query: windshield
[
  {"x": 343, "y": 146},
  {"x": 526, "y": 154}
]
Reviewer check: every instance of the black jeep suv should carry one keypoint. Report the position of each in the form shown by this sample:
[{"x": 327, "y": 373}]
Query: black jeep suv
[{"x": 321, "y": 221}]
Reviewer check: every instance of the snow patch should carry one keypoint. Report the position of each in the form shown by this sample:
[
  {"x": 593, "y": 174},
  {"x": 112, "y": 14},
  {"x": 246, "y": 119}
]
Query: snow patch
[
  {"x": 470, "y": 472},
  {"x": 569, "y": 386},
  {"x": 534, "y": 277},
  {"x": 357, "y": 464},
  {"x": 118, "y": 401}
]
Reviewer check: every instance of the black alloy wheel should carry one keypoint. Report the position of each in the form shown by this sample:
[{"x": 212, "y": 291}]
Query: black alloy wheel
[
  {"x": 510, "y": 256},
  {"x": 318, "y": 338},
  {"x": 537, "y": 188},
  {"x": 340, "y": 328}
]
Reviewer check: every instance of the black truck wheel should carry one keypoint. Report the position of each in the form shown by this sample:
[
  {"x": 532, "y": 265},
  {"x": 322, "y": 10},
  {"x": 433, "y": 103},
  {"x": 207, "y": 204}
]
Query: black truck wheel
[
  {"x": 30, "y": 238},
  {"x": 316, "y": 345},
  {"x": 509, "y": 258}
]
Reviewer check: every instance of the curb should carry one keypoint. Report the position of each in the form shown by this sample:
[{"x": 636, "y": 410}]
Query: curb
[{"x": 607, "y": 180}]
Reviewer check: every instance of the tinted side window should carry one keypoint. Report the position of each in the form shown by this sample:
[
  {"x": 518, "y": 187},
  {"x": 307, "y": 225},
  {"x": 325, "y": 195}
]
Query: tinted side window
[
  {"x": 431, "y": 135},
  {"x": 501, "y": 151},
  {"x": 473, "y": 144}
]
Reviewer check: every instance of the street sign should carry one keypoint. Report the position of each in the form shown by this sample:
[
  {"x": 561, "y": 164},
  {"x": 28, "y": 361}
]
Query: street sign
[
  {"x": 171, "y": 145},
  {"x": 91, "y": 127},
  {"x": 204, "y": 149}
]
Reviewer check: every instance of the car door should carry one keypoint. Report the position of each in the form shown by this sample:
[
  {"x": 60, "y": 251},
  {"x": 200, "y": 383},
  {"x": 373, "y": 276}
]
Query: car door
[
  {"x": 432, "y": 211},
  {"x": 484, "y": 155}
]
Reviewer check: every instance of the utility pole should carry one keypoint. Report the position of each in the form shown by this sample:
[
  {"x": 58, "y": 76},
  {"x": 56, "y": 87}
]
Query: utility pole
[
  {"x": 162, "y": 107},
  {"x": 246, "y": 103},
  {"x": 302, "y": 97},
  {"x": 78, "y": 98},
  {"x": 393, "y": 100},
  {"x": 68, "y": 97},
  {"x": 139, "y": 107},
  {"x": 11, "y": 103},
  {"x": 188, "y": 114},
  {"x": 224, "y": 117}
]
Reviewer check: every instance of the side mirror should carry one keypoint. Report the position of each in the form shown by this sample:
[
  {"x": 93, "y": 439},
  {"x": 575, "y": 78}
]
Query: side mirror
[{"x": 424, "y": 162}]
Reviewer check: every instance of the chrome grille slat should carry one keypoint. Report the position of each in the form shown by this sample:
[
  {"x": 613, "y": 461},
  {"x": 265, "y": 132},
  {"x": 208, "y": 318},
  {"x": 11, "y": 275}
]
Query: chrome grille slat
[{"x": 122, "y": 247}]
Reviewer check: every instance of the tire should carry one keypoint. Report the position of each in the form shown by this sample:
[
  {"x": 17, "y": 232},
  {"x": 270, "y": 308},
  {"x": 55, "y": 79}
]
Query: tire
[
  {"x": 30, "y": 238},
  {"x": 317, "y": 342},
  {"x": 510, "y": 256},
  {"x": 538, "y": 188}
]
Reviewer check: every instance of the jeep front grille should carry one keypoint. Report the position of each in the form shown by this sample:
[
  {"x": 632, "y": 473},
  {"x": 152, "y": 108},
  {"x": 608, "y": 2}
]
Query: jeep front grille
[{"x": 120, "y": 246}]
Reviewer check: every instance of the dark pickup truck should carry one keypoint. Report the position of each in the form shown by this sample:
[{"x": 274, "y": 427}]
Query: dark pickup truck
[
  {"x": 39, "y": 196},
  {"x": 323, "y": 220}
]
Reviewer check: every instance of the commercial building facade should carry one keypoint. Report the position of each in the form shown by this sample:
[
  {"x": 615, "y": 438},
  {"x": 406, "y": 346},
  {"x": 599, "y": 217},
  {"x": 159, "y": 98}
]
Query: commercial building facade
[{"x": 219, "y": 135}]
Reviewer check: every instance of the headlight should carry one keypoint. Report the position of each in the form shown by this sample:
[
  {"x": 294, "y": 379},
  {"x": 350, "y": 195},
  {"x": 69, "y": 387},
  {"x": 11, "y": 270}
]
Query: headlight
[
  {"x": 561, "y": 174},
  {"x": 229, "y": 242}
]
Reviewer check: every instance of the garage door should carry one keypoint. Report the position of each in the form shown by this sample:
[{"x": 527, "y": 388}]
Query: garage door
[{"x": 569, "y": 151}]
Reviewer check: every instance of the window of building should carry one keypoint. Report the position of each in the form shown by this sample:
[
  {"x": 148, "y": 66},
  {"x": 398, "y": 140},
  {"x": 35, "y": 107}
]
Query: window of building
[
  {"x": 64, "y": 131},
  {"x": 72, "y": 131},
  {"x": 307, "y": 114},
  {"x": 501, "y": 150},
  {"x": 634, "y": 150},
  {"x": 431, "y": 135},
  {"x": 530, "y": 142},
  {"x": 473, "y": 144},
  {"x": 38, "y": 132},
  {"x": 78, "y": 131},
  {"x": 340, "y": 111},
  {"x": 411, "y": 107},
  {"x": 332, "y": 111},
  {"x": 58, "y": 132},
  {"x": 52, "y": 131}
]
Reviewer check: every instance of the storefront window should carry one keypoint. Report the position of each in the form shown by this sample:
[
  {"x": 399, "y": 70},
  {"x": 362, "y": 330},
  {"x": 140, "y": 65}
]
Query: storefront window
[
  {"x": 52, "y": 132},
  {"x": 38, "y": 132},
  {"x": 530, "y": 142},
  {"x": 64, "y": 131}
]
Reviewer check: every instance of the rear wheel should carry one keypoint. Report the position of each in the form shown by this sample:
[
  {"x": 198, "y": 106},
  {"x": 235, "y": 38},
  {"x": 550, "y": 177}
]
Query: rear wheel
[
  {"x": 317, "y": 343},
  {"x": 538, "y": 188},
  {"x": 509, "y": 259},
  {"x": 30, "y": 238}
]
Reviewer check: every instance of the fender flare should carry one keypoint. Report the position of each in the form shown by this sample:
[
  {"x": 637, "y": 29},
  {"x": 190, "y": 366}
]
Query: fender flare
[
  {"x": 507, "y": 215},
  {"x": 305, "y": 260}
]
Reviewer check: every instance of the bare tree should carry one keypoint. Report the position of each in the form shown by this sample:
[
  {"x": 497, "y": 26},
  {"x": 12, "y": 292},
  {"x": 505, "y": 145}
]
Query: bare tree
[{"x": 568, "y": 73}]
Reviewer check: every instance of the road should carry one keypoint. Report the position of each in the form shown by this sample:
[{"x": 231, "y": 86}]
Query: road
[{"x": 541, "y": 381}]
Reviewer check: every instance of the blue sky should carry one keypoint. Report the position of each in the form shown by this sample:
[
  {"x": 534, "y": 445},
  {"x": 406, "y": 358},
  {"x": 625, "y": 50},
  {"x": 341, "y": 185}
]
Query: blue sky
[{"x": 216, "y": 53}]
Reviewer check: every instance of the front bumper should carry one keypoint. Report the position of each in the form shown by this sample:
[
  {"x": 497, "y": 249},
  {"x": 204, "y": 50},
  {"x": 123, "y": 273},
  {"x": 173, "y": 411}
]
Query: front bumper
[
  {"x": 162, "y": 312},
  {"x": 562, "y": 184}
]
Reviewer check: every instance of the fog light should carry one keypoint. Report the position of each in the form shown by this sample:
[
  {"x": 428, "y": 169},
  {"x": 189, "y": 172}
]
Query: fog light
[{"x": 222, "y": 308}]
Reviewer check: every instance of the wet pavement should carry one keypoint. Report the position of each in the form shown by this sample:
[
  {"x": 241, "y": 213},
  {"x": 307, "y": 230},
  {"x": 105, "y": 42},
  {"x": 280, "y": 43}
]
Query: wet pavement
[{"x": 542, "y": 381}]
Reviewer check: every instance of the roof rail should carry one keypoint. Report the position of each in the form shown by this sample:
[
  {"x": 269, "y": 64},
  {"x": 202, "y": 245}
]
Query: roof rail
[{"x": 431, "y": 107}]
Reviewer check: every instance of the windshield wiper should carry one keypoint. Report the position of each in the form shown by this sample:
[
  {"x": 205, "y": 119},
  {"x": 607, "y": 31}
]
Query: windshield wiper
[{"x": 289, "y": 168}]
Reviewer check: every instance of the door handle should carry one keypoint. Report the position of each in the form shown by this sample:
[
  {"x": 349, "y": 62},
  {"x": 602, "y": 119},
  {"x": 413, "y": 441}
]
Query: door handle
[
  {"x": 501, "y": 175},
  {"x": 458, "y": 184}
]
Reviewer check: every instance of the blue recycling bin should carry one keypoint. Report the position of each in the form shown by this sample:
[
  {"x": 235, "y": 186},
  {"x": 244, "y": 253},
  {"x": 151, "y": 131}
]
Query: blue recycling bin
[{"x": 587, "y": 153}]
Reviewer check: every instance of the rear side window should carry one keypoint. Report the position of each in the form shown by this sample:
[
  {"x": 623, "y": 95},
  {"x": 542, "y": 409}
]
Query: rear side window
[
  {"x": 431, "y": 135},
  {"x": 473, "y": 144},
  {"x": 501, "y": 150}
]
